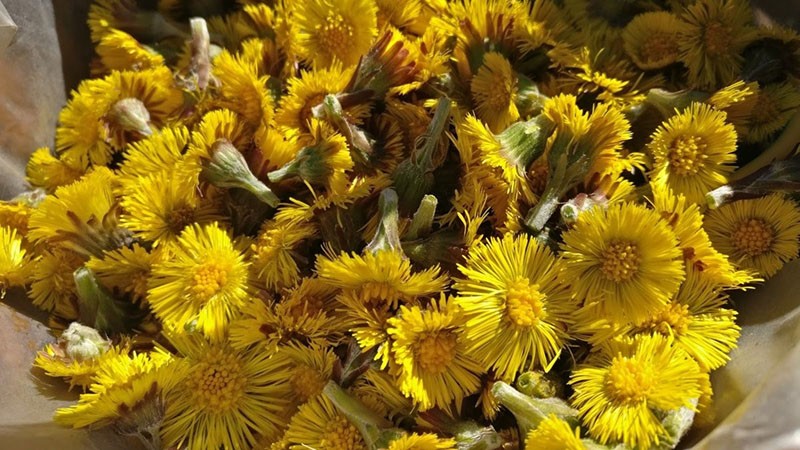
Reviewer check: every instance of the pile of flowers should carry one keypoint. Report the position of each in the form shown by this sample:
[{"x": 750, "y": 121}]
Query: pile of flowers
[{"x": 408, "y": 224}]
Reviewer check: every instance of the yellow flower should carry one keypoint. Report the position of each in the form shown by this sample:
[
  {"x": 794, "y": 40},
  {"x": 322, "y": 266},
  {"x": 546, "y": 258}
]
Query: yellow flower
[
  {"x": 319, "y": 425},
  {"x": 650, "y": 39},
  {"x": 699, "y": 254},
  {"x": 307, "y": 91},
  {"x": 494, "y": 90},
  {"x": 223, "y": 397},
  {"x": 241, "y": 89},
  {"x": 694, "y": 151},
  {"x": 327, "y": 31},
  {"x": 159, "y": 206},
  {"x": 305, "y": 315},
  {"x": 106, "y": 114},
  {"x": 119, "y": 50},
  {"x": 126, "y": 270},
  {"x": 380, "y": 277},
  {"x": 401, "y": 14},
  {"x": 126, "y": 391},
  {"x": 516, "y": 305},
  {"x": 626, "y": 257},
  {"x": 55, "y": 362},
  {"x": 368, "y": 323},
  {"x": 15, "y": 262},
  {"x": 712, "y": 42},
  {"x": 428, "y": 348},
  {"x": 53, "y": 285},
  {"x": 309, "y": 370},
  {"x": 554, "y": 434},
  {"x": 697, "y": 320},
  {"x": 759, "y": 234},
  {"x": 774, "y": 106},
  {"x": 623, "y": 389},
  {"x": 82, "y": 216},
  {"x": 155, "y": 153},
  {"x": 49, "y": 172},
  {"x": 425, "y": 441},
  {"x": 324, "y": 160},
  {"x": 205, "y": 279},
  {"x": 275, "y": 252}
]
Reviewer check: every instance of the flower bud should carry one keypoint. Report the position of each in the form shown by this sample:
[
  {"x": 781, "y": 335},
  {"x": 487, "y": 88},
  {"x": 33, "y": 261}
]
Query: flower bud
[
  {"x": 387, "y": 237},
  {"x": 83, "y": 343},
  {"x": 538, "y": 384},
  {"x": 227, "y": 168},
  {"x": 130, "y": 114}
]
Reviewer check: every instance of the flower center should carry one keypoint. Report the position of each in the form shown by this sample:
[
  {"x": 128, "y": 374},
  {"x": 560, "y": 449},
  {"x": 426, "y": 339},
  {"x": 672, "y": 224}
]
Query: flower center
[
  {"x": 138, "y": 286},
  {"x": 209, "y": 279},
  {"x": 620, "y": 261},
  {"x": 687, "y": 155},
  {"x": 492, "y": 89},
  {"x": 674, "y": 319},
  {"x": 753, "y": 237},
  {"x": 630, "y": 381},
  {"x": 524, "y": 303},
  {"x": 306, "y": 382},
  {"x": 340, "y": 434},
  {"x": 216, "y": 383},
  {"x": 336, "y": 34},
  {"x": 306, "y": 307},
  {"x": 659, "y": 47},
  {"x": 717, "y": 39},
  {"x": 179, "y": 218},
  {"x": 436, "y": 350},
  {"x": 765, "y": 110}
]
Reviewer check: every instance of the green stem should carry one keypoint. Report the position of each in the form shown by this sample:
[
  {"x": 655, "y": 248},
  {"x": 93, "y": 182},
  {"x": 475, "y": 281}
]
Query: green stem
[
  {"x": 376, "y": 431},
  {"x": 441, "y": 118},
  {"x": 387, "y": 237},
  {"x": 422, "y": 222}
]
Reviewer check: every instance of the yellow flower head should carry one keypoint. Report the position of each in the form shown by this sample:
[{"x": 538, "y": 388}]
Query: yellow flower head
[
  {"x": 759, "y": 234},
  {"x": 319, "y": 425},
  {"x": 516, "y": 305},
  {"x": 694, "y": 151},
  {"x": 326, "y": 31},
  {"x": 124, "y": 389},
  {"x": 275, "y": 252},
  {"x": 82, "y": 216},
  {"x": 15, "y": 262},
  {"x": 223, "y": 397},
  {"x": 53, "y": 285},
  {"x": 242, "y": 89},
  {"x": 425, "y": 441},
  {"x": 428, "y": 348},
  {"x": 626, "y": 256},
  {"x": 309, "y": 369},
  {"x": 205, "y": 279},
  {"x": 305, "y": 315},
  {"x": 126, "y": 270},
  {"x": 159, "y": 206},
  {"x": 554, "y": 434},
  {"x": 774, "y": 106},
  {"x": 697, "y": 320},
  {"x": 55, "y": 362},
  {"x": 650, "y": 39},
  {"x": 623, "y": 389},
  {"x": 307, "y": 91},
  {"x": 156, "y": 153},
  {"x": 49, "y": 172},
  {"x": 712, "y": 41},
  {"x": 494, "y": 89},
  {"x": 381, "y": 277},
  {"x": 119, "y": 50}
]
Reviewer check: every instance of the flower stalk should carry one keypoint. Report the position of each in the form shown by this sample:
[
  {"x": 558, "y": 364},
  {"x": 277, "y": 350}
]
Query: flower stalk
[{"x": 376, "y": 431}]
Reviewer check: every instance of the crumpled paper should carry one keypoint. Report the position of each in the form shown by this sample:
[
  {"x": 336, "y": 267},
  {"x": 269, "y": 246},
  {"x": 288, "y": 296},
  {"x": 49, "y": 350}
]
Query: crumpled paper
[{"x": 757, "y": 395}]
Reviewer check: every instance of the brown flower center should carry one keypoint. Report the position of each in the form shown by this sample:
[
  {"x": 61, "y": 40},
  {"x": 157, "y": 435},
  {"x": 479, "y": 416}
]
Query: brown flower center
[
  {"x": 717, "y": 39},
  {"x": 753, "y": 237}
]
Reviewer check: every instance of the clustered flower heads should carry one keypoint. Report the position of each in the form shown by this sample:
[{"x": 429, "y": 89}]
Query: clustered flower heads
[{"x": 408, "y": 224}]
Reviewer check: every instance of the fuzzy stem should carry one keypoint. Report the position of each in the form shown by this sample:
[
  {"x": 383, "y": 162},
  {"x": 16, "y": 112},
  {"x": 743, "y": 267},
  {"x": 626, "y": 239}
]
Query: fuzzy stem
[
  {"x": 422, "y": 222},
  {"x": 441, "y": 118},
  {"x": 387, "y": 237},
  {"x": 201, "y": 59}
]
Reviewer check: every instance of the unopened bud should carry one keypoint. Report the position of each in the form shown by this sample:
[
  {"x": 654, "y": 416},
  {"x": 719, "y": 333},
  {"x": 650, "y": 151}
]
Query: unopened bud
[
  {"x": 83, "y": 343},
  {"x": 131, "y": 114},
  {"x": 227, "y": 168}
]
